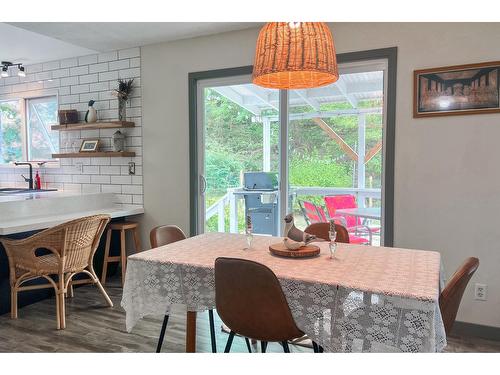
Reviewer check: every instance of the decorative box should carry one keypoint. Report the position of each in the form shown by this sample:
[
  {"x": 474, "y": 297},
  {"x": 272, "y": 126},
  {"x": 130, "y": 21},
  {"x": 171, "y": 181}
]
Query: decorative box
[{"x": 68, "y": 116}]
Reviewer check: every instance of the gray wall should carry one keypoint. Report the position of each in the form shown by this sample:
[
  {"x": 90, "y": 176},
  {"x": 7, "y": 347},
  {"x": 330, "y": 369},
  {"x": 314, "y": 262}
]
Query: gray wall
[{"x": 446, "y": 174}]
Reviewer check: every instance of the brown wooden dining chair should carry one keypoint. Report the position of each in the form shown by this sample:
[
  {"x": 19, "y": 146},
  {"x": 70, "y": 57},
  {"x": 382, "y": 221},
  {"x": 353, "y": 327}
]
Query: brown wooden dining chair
[
  {"x": 161, "y": 236},
  {"x": 321, "y": 230},
  {"x": 250, "y": 301},
  {"x": 451, "y": 296},
  {"x": 71, "y": 247}
]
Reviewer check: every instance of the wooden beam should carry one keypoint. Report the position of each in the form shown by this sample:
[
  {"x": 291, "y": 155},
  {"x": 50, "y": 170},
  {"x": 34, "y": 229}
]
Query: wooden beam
[
  {"x": 260, "y": 94},
  {"x": 326, "y": 114},
  {"x": 341, "y": 86},
  {"x": 337, "y": 138},
  {"x": 231, "y": 94},
  {"x": 373, "y": 151},
  {"x": 303, "y": 94}
]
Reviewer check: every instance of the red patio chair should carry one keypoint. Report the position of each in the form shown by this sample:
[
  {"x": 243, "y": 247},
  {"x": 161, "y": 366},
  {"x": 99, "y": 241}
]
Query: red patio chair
[
  {"x": 312, "y": 213},
  {"x": 352, "y": 223},
  {"x": 316, "y": 214}
]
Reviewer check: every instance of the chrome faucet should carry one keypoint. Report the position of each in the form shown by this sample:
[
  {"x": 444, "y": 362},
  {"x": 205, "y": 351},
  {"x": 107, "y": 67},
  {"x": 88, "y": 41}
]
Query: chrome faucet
[{"x": 30, "y": 179}]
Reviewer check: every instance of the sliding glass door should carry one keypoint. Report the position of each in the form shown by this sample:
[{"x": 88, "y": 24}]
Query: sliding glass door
[
  {"x": 238, "y": 156},
  {"x": 318, "y": 153},
  {"x": 335, "y": 140}
]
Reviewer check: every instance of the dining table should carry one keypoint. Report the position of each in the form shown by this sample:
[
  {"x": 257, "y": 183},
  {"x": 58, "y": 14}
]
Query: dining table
[
  {"x": 373, "y": 213},
  {"x": 361, "y": 299}
]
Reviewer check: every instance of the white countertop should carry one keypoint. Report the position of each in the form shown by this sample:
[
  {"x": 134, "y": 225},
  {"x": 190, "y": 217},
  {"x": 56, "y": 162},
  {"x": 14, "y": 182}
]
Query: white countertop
[{"x": 34, "y": 211}]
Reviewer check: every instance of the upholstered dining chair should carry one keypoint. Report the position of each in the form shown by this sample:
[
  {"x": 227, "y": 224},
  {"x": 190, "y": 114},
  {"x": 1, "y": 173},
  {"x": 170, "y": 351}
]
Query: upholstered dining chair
[
  {"x": 161, "y": 236},
  {"x": 64, "y": 250},
  {"x": 321, "y": 230},
  {"x": 250, "y": 301},
  {"x": 451, "y": 295}
]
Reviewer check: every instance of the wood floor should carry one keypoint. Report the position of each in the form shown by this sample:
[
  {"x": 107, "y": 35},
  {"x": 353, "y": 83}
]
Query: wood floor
[{"x": 93, "y": 327}]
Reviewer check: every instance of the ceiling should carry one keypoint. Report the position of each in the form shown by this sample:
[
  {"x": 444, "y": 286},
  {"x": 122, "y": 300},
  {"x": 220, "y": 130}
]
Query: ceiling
[
  {"x": 31, "y": 42},
  {"x": 22, "y": 46},
  {"x": 351, "y": 88}
]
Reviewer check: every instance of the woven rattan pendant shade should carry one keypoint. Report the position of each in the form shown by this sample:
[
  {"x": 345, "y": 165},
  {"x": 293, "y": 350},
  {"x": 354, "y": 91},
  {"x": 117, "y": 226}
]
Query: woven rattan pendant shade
[{"x": 295, "y": 56}]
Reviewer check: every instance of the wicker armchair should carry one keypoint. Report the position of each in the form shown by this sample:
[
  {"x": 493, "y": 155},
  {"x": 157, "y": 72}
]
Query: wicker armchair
[{"x": 72, "y": 246}]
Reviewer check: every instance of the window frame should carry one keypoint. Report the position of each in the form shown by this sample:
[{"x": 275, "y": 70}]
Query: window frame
[
  {"x": 24, "y": 98},
  {"x": 389, "y": 54}
]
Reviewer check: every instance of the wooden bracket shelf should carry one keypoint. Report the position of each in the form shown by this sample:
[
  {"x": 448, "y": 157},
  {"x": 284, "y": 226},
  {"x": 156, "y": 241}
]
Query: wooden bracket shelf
[
  {"x": 98, "y": 154},
  {"x": 95, "y": 125}
]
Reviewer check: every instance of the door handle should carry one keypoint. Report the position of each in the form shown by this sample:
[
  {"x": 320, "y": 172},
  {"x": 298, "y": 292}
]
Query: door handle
[{"x": 203, "y": 183}]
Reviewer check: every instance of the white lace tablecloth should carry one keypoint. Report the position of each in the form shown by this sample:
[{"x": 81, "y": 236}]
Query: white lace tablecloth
[{"x": 366, "y": 299}]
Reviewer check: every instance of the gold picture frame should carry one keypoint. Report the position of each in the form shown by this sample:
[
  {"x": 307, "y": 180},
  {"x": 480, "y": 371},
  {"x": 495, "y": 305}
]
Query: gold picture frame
[
  {"x": 457, "y": 90},
  {"x": 89, "y": 145}
]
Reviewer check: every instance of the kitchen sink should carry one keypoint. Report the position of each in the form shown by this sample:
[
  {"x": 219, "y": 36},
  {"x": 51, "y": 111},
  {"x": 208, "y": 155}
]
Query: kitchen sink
[{"x": 21, "y": 190}]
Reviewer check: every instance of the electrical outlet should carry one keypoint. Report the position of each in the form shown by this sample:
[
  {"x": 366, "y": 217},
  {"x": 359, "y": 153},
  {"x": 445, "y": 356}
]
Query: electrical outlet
[
  {"x": 79, "y": 166},
  {"x": 480, "y": 292},
  {"x": 131, "y": 168}
]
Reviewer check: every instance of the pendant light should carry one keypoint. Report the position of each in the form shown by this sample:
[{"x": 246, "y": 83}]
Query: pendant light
[{"x": 295, "y": 55}]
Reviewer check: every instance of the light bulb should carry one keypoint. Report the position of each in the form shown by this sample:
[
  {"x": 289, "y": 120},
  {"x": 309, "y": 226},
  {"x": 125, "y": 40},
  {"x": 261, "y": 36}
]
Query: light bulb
[
  {"x": 5, "y": 72},
  {"x": 21, "y": 72}
]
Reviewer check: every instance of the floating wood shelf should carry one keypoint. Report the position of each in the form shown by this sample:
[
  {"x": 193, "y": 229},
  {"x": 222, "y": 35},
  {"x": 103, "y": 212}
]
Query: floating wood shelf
[
  {"x": 99, "y": 154},
  {"x": 95, "y": 125}
]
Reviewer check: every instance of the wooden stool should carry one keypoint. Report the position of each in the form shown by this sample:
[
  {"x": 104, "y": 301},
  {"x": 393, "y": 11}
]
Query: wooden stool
[{"x": 122, "y": 227}]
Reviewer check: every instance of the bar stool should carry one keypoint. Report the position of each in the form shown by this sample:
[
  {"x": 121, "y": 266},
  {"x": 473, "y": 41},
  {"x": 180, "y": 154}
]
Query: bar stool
[{"x": 122, "y": 227}]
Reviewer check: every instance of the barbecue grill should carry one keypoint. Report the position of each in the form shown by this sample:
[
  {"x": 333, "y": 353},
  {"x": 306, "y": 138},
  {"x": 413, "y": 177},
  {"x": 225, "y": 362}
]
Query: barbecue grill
[{"x": 260, "y": 191}]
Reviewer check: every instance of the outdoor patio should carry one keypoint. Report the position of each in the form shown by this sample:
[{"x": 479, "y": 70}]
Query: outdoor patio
[{"x": 354, "y": 96}]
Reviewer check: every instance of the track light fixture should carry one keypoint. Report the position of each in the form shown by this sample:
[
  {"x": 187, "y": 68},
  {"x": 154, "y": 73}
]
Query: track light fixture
[{"x": 21, "y": 72}]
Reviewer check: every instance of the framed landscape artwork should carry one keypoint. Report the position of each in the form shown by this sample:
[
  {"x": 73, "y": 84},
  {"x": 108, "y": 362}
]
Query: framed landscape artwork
[
  {"x": 89, "y": 145},
  {"x": 457, "y": 90}
]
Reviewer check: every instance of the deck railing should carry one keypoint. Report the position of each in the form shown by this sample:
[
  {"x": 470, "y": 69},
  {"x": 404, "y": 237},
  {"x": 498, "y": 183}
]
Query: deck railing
[{"x": 231, "y": 199}]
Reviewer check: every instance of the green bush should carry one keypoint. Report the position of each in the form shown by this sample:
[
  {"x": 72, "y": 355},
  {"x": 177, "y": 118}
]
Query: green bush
[
  {"x": 222, "y": 171},
  {"x": 322, "y": 173}
]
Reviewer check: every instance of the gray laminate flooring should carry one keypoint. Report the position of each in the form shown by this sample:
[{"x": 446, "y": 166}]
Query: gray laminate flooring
[{"x": 93, "y": 327}]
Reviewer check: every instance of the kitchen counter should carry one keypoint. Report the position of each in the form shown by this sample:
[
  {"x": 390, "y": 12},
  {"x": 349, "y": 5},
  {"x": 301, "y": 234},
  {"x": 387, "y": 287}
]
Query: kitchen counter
[
  {"x": 23, "y": 214},
  {"x": 35, "y": 211}
]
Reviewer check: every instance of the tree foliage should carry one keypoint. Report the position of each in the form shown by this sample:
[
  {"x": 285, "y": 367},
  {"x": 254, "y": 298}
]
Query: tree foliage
[{"x": 234, "y": 145}]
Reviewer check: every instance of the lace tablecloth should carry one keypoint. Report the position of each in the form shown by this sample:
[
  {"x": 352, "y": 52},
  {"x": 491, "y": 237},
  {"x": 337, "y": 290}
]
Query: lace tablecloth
[{"x": 366, "y": 299}]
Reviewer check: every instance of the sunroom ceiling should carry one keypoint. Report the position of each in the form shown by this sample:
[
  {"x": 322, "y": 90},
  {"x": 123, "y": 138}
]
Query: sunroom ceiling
[{"x": 350, "y": 88}]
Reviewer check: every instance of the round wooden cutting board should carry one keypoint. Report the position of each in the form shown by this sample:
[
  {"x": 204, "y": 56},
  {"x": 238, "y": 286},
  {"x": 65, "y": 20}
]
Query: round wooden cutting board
[{"x": 305, "y": 251}]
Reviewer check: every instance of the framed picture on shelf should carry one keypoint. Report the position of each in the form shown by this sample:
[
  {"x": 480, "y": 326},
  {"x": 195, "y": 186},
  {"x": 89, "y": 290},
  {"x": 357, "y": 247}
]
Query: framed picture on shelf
[
  {"x": 457, "y": 90},
  {"x": 89, "y": 145}
]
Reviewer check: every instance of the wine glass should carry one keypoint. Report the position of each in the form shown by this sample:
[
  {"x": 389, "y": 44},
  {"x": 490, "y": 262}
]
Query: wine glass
[
  {"x": 248, "y": 232},
  {"x": 249, "y": 236},
  {"x": 332, "y": 245}
]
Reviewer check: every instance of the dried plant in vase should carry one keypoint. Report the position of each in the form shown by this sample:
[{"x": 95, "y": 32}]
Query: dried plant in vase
[{"x": 123, "y": 92}]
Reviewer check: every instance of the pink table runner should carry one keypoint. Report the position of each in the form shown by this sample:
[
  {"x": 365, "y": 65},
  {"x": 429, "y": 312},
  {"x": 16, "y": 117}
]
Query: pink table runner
[{"x": 366, "y": 299}]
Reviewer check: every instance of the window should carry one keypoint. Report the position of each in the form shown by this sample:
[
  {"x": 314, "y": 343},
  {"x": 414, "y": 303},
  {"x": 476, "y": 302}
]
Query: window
[
  {"x": 11, "y": 143},
  {"x": 25, "y": 132}
]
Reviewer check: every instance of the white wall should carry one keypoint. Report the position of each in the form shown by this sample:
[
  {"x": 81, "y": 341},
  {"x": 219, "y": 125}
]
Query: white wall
[
  {"x": 76, "y": 81},
  {"x": 447, "y": 180}
]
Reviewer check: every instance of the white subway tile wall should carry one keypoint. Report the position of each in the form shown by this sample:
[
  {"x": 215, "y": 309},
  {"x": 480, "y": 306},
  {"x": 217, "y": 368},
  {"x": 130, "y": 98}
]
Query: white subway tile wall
[{"x": 76, "y": 81}]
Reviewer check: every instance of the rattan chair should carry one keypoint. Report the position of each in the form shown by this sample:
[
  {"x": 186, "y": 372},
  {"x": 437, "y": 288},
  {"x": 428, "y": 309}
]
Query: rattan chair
[{"x": 71, "y": 248}]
